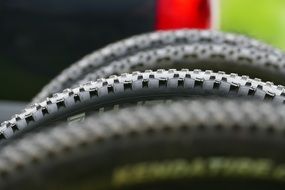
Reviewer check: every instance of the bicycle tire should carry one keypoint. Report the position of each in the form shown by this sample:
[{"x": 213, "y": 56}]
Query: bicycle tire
[
  {"x": 135, "y": 147},
  {"x": 198, "y": 56},
  {"x": 139, "y": 86},
  {"x": 142, "y": 43}
]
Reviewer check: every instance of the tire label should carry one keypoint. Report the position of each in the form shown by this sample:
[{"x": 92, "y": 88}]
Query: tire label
[{"x": 146, "y": 172}]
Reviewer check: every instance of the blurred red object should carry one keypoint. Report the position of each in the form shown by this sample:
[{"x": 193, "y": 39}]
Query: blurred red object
[{"x": 175, "y": 14}]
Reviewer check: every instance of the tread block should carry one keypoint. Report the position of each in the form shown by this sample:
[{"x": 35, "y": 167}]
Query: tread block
[
  {"x": 29, "y": 119},
  {"x": 198, "y": 83}
]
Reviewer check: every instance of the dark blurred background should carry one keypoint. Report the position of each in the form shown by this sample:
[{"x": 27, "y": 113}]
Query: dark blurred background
[{"x": 39, "y": 38}]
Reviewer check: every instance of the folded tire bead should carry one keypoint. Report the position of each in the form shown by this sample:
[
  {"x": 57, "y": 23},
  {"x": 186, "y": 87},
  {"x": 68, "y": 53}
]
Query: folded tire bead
[
  {"x": 146, "y": 42},
  {"x": 136, "y": 87},
  {"x": 200, "y": 144}
]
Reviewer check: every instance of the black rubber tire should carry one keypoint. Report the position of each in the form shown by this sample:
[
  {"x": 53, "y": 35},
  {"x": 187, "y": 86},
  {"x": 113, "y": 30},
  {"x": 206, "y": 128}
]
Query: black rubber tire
[
  {"x": 147, "y": 42},
  {"x": 216, "y": 57},
  {"x": 136, "y": 87},
  {"x": 198, "y": 144}
]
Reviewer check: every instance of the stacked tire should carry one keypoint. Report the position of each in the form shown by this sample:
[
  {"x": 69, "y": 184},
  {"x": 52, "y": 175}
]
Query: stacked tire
[{"x": 166, "y": 110}]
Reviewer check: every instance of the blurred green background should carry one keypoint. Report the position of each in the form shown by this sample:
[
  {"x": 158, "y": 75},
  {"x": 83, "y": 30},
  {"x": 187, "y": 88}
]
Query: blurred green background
[{"x": 262, "y": 19}]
